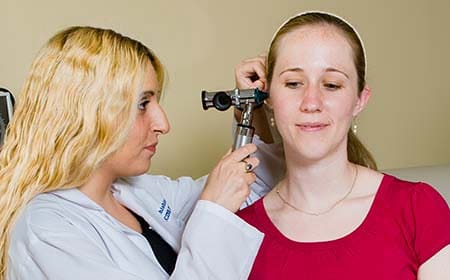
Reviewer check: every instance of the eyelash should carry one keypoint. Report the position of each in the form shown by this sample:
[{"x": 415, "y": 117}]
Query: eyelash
[
  {"x": 293, "y": 85},
  {"x": 328, "y": 86},
  {"x": 332, "y": 86},
  {"x": 142, "y": 105}
]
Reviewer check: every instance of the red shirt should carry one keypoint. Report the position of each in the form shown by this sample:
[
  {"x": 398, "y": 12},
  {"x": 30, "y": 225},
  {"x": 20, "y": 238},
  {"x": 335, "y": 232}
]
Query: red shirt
[{"x": 406, "y": 225}]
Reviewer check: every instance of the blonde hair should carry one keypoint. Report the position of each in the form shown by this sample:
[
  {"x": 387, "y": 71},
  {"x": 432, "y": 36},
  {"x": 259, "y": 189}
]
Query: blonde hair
[
  {"x": 356, "y": 151},
  {"x": 76, "y": 108}
]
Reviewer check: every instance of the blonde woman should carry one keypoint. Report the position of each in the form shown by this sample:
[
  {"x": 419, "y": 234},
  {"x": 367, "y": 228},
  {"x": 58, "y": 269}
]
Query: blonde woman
[
  {"x": 334, "y": 216},
  {"x": 87, "y": 117}
]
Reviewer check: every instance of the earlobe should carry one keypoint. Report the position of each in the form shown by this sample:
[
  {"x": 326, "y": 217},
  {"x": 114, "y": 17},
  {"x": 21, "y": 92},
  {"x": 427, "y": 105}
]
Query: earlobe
[
  {"x": 268, "y": 103},
  {"x": 362, "y": 101}
]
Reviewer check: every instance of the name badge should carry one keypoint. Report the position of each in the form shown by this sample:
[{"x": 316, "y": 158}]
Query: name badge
[{"x": 164, "y": 210}]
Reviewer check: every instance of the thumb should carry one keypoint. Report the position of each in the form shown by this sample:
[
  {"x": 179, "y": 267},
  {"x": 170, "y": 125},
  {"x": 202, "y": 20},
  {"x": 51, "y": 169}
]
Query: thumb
[{"x": 228, "y": 153}]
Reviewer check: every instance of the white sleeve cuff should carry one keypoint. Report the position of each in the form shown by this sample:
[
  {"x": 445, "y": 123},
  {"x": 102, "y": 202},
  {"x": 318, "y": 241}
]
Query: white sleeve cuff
[{"x": 217, "y": 244}]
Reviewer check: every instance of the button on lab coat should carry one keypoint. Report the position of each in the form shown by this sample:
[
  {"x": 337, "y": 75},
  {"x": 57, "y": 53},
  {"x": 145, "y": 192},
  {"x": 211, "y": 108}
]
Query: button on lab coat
[{"x": 65, "y": 235}]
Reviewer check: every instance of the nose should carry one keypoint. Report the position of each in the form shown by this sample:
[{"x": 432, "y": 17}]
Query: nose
[
  {"x": 159, "y": 122},
  {"x": 312, "y": 100}
]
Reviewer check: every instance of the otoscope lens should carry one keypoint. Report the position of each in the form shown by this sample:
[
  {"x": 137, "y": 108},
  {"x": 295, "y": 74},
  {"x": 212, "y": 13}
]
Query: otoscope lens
[{"x": 222, "y": 101}]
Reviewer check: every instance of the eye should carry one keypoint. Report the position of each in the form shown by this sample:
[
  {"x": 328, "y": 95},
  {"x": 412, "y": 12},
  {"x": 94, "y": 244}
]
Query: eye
[
  {"x": 143, "y": 104},
  {"x": 332, "y": 86},
  {"x": 293, "y": 85}
]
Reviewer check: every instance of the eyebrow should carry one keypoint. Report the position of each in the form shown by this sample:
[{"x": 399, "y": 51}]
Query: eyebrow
[
  {"x": 298, "y": 69},
  {"x": 149, "y": 92},
  {"x": 330, "y": 69},
  {"x": 294, "y": 69}
]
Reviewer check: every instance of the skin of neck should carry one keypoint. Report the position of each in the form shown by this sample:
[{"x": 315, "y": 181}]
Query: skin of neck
[
  {"x": 98, "y": 188},
  {"x": 317, "y": 183}
]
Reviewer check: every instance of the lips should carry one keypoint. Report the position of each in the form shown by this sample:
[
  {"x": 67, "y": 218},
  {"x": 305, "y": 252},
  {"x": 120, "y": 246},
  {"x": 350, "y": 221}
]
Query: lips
[
  {"x": 151, "y": 148},
  {"x": 312, "y": 126}
]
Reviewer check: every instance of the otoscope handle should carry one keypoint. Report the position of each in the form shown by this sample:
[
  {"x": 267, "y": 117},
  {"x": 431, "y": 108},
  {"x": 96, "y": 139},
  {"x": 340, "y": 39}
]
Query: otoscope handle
[{"x": 243, "y": 135}]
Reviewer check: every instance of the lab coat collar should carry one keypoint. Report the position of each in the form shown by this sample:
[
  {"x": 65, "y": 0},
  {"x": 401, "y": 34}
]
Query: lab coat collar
[{"x": 76, "y": 196}]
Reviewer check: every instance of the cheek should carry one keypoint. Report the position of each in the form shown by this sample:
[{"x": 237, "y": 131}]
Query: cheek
[
  {"x": 284, "y": 102},
  {"x": 138, "y": 131},
  {"x": 341, "y": 106},
  {"x": 284, "y": 109}
]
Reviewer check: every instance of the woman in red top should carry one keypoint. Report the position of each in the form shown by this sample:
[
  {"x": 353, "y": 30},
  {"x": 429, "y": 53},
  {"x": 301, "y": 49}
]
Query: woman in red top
[{"x": 334, "y": 216}]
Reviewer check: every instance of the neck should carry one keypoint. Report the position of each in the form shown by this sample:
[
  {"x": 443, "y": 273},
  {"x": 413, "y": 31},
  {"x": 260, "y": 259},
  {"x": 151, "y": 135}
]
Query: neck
[
  {"x": 98, "y": 188},
  {"x": 317, "y": 184}
]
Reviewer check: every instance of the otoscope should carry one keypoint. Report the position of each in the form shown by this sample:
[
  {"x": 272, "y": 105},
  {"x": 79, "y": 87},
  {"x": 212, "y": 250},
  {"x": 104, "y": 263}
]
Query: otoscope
[{"x": 245, "y": 100}]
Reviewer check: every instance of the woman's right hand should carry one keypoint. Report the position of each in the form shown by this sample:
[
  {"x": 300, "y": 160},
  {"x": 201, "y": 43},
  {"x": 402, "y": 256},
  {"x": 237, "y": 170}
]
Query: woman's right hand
[
  {"x": 251, "y": 73},
  {"x": 229, "y": 182}
]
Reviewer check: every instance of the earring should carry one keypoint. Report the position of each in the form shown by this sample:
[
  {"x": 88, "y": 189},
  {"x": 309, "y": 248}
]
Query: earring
[
  {"x": 269, "y": 113},
  {"x": 354, "y": 126},
  {"x": 272, "y": 121},
  {"x": 268, "y": 106}
]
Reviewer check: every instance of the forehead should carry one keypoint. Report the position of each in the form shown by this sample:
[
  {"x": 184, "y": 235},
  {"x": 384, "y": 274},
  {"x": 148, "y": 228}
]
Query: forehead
[
  {"x": 150, "y": 84},
  {"x": 319, "y": 45},
  {"x": 150, "y": 78}
]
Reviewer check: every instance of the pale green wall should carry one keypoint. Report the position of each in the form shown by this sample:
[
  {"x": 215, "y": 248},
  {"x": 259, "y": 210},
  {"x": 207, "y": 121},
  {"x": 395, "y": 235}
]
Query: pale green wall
[{"x": 406, "y": 124}]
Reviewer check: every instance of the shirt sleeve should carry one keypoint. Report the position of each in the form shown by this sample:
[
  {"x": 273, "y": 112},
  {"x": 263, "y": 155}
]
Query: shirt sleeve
[
  {"x": 432, "y": 222},
  {"x": 61, "y": 252},
  {"x": 216, "y": 244},
  {"x": 270, "y": 170}
]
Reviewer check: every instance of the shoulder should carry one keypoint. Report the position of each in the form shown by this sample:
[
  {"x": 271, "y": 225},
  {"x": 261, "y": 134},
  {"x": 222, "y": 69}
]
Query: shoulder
[
  {"x": 418, "y": 206},
  {"x": 44, "y": 212},
  {"x": 410, "y": 205},
  {"x": 399, "y": 190},
  {"x": 410, "y": 201},
  {"x": 424, "y": 214},
  {"x": 42, "y": 218}
]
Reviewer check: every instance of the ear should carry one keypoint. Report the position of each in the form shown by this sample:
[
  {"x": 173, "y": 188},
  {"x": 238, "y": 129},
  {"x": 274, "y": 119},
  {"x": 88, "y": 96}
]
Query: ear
[{"x": 362, "y": 101}]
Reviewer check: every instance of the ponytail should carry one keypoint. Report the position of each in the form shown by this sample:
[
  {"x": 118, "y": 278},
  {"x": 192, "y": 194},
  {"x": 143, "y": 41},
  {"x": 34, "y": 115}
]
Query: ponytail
[{"x": 359, "y": 154}]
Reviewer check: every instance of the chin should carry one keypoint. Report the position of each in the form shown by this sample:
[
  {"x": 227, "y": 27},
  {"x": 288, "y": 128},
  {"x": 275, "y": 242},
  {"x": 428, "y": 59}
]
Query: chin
[
  {"x": 308, "y": 152},
  {"x": 311, "y": 156},
  {"x": 138, "y": 170},
  {"x": 144, "y": 170}
]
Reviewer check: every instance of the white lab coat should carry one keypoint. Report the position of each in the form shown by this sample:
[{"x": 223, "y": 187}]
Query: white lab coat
[{"x": 65, "y": 235}]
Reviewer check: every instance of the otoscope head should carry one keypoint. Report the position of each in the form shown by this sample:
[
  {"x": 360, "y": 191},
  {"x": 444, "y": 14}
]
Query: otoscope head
[
  {"x": 222, "y": 100},
  {"x": 260, "y": 96}
]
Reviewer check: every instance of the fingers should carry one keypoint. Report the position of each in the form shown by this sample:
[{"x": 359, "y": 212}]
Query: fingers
[
  {"x": 251, "y": 73},
  {"x": 259, "y": 84},
  {"x": 250, "y": 178},
  {"x": 229, "y": 182},
  {"x": 242, "y": 153},
  {"x": 250, "y": 163}
]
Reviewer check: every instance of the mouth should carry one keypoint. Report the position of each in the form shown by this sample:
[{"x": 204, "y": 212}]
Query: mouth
[
  {"x": 151, "y": 148},
  {"x": 312, "y": 126}
]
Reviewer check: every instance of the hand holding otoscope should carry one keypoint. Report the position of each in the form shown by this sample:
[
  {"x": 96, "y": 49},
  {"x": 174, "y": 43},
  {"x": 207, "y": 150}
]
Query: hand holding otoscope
[{"x": 246, "y": 100}]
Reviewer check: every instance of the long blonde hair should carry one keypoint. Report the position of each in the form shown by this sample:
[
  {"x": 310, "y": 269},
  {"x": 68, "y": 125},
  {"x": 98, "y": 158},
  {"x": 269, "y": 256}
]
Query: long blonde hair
[
  {"x": 356, "y": 151},
  {"x": 76, "y": 108}
]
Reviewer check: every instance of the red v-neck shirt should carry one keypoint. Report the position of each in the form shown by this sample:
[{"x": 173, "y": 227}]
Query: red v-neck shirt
[{"x": 406, "y": 225}]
